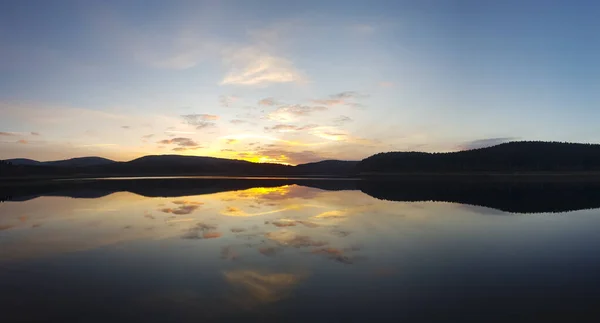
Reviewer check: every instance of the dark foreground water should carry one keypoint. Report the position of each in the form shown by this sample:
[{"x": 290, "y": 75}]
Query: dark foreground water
[{"x": 294, "y": 253}]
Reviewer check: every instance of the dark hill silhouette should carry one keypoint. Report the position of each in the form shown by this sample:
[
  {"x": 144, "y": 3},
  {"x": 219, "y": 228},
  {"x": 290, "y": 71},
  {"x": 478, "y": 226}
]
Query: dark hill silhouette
[
  {"x": 523, "y": 156},
  {"x": 164, "y": 165},
  {"x": 514, "y": 157},
  {"x": 73, "y": 162}
]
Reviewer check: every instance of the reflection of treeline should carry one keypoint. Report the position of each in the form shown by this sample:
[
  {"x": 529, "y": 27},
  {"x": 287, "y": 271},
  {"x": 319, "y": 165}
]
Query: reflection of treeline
[
  {"x": 517, "y": 197},
  {"x": 520, "y": 197},
  {"x": 524, "y": 156}
]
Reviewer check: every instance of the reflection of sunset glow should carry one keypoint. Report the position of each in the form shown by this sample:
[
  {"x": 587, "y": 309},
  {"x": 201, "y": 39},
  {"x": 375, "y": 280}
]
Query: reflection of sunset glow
[
  {"x": 234, "y": 211},
  {"x": 254, "y": 288},
  {"x": 332, "y": 214}
]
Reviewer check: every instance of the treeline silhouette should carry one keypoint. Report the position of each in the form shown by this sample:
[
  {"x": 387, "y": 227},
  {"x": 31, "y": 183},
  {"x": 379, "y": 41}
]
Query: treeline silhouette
[
  {"x": 522, "y": 156},
  {"x": 519, "y": 197},
  {"x": 513, "y": 157}
]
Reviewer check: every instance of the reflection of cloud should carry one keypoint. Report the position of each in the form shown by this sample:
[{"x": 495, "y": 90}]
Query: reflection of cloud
[
  {"x": 334, "y": 254},
  {"x": 185, "y": 207},
  {"x": 202, "y": 231},
  {"x": 268, "y": 251},
  {"x": 284, "y": 223},
  {"x": 332, "y": 214},
  {"x": 5, "y": 227},
  {"x": 289, "y": 238},
  {"x": 253, "y": 288},
  {"x": 482, "y": 143}
]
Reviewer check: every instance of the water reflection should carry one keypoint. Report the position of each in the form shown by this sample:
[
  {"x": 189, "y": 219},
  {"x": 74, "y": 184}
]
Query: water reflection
[{"x": 289, "y": 253}]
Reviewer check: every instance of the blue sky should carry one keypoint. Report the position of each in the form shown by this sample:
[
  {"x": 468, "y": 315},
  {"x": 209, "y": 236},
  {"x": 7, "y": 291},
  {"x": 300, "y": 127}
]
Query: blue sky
[{"x": 293, "y": 81}]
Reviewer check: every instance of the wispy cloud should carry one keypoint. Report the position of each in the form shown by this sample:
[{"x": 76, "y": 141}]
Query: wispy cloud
[
  {"x": 341, "y": 120},
  {"x": 33, "y": 133},
  {"x": 291, "y": 157},
  {"x": 342, "y": 98},
  {"x": 6, "y": 133},
  {"x": 200, "y": 121},
  {"x": 180, "y": 149},
  {"x": 227, "y": 100},
  {"x": 292, "y": 112},
  {"x": 126, "y": 127},
  {"x": 179, "y": 141},
  {"x": 148, "y": 136},
  {"x": 180, "y": 132},
  {"x": 238, "y": 121},
  {"x": 289, "y": 128},
  {"x": 98, "y": 145},
  {"x": 255, "y": 66},
  {"x": 268, "y": 102}
]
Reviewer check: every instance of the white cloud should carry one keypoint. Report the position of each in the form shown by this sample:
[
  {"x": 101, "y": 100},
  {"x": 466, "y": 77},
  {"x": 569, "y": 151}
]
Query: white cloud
[
  {"x": 289, "y": 113},
  {"x": 254, "y": 66}
]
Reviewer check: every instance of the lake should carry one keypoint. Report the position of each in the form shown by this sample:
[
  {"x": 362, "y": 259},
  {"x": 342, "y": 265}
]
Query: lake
[{"x": 299, "y": 250}]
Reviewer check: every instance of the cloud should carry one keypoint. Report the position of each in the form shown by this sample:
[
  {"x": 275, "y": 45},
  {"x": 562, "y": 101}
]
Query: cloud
[
  {"x": 148, "y": 136},
  {"x": 230, "y": 141},
  {"x": 179, "y": 141},
  {"x": 289, "y": 128},
  {"x": 254, "y": 66},
  {"x": 200, "y": 121},
  {"x": 22, "y": 141},
  {"x": 229, "y": 150},
  {"x": 33, "y": 133},
  {"x": 292, "y": 157},
  {"x": 341, "y": 120},
  {"x": 386, "y": 84},
  {"x": 482, "y": 143},
  {"x": 180, "y": 149},
  {"x": 268, "y": 102},
  {"x": 348, "y": 95},
  {"x": 6, "y": 134},
  {"x": 341, "y": 98},
  {"x": 291, "y": 112},
  {"x": 238, "y": 121},
  {"x": 126, "y": 127},
  {"x": 180, "y": 132},
  {"x": 227, "y": 100}
]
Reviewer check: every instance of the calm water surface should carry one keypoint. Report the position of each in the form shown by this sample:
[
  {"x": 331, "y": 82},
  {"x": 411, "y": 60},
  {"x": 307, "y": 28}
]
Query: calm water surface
[{"x": 293, "y": 253}]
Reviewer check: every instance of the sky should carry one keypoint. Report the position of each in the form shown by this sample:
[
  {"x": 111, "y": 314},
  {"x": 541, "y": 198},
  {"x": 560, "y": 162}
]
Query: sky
[{"x": 293, "y": 81}]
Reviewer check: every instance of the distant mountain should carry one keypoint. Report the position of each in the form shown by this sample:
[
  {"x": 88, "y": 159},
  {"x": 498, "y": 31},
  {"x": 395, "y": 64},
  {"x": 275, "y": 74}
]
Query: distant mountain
[
  {"x": 504, "y": 158},
  {"x": 523, "y": 156},
  {"x": 24, "y": 161},
  {"x": 73, "y": 162}
]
